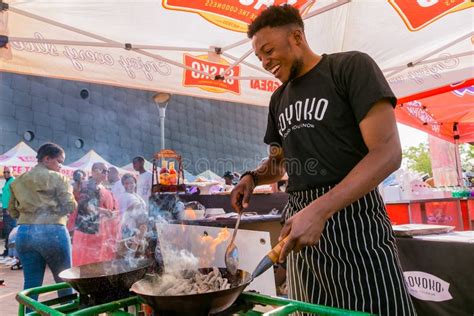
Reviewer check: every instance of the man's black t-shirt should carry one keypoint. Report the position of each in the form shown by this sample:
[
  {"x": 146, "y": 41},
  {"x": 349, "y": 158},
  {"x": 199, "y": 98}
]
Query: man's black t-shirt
[{"x": 315, "y": 118}]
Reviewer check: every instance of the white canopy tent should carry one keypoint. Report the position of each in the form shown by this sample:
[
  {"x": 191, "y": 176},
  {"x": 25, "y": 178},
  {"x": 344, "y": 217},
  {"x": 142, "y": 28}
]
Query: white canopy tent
[
  {"x": 199, "y": 48},
  {"x": 85, "y": 163},
  {"x": 22, "y": 158}
]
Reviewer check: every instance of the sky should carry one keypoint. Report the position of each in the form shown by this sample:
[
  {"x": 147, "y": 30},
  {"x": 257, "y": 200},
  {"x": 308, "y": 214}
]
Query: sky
[{"x": 410, "y": 136}]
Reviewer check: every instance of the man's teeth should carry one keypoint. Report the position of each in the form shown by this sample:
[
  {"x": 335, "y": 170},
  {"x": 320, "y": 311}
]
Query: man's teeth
[{"x": 275, "y": 69}]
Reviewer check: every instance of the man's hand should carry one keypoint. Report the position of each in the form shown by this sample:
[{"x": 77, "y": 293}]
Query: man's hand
[
  {"x": 240, "y": 195},
  {"x": 304, "y": 229}
]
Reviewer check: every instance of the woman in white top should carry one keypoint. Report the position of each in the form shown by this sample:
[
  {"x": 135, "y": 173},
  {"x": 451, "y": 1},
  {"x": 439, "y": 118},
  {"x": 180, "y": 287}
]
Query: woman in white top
[
  {"x": 131, "y": 205},
  {"x": 134, "y": 218},
  {"x": 130, "y": 199}
]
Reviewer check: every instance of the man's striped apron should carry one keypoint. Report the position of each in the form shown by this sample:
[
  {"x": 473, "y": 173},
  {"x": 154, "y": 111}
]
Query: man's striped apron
[{"x": 355, "y": 265}]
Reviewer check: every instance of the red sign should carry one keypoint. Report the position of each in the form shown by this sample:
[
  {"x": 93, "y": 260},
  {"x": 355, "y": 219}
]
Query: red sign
[
  {"x": 27, "y": 158},
  {"x": 68, "y": 173},
  {"x": 231, "y": 15},
  {"x": 419, "y": 13},
  {"x": 20, "y": 169},
  {"x": 208, "y": 83},
  {"x": 264, "y": 85}
]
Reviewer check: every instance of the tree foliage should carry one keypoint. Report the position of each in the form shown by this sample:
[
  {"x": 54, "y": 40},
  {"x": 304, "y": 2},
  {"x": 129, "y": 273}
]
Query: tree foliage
[
  {"x": 466, "y": 152},
  {"x": 418, "y": 159}
]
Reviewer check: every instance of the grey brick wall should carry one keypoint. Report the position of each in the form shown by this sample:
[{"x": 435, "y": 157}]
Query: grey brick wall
[{"x": 121, "y": 123}]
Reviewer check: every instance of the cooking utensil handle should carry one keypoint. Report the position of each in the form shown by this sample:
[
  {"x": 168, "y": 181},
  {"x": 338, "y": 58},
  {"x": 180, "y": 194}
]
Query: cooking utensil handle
[
  {"x": 236, "y": 228},
  {"x": 274, "y": 254}
]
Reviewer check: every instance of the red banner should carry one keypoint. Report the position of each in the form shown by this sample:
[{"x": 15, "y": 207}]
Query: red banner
[
  {"x": 207, "y": 83},
  {"x": 231, "y": 15},
  {"x": 418, "y": 14}
]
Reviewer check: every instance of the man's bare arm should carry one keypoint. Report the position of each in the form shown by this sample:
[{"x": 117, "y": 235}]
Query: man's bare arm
[
  {"x": 272, "y": 169},
  {"x": 269, "y": 171}
]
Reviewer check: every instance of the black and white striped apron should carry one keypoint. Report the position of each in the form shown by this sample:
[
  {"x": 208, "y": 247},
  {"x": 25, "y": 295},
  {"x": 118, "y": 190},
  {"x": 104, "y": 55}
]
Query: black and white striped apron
[{"x": 355, "y": 265}]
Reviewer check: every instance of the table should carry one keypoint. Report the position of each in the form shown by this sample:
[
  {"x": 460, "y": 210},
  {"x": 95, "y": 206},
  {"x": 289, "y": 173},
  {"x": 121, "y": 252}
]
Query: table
[
  {"x": 457, "y": 212},
  {"x": 440, "y": 274}
]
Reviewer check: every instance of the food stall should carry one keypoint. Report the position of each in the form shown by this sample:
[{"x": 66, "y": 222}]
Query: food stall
[{"x": 143, "y": 54}]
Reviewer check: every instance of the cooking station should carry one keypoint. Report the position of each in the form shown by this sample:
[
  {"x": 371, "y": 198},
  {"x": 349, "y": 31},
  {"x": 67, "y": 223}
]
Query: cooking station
[
  {"x": 248, "y": 303},
  {"x": 181, "y": 269}
]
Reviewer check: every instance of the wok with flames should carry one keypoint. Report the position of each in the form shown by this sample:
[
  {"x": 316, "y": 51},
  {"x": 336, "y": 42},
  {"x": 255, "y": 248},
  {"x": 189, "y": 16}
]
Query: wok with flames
[{"x": 194, "y": 304}]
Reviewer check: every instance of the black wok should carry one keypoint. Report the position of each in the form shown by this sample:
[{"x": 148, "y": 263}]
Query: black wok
[
  {"x": 105, "y": 281},
  {"x": 193, "y": 304}
]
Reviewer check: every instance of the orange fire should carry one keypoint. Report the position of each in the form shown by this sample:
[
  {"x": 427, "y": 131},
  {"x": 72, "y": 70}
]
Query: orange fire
[
  {"x": 190, "y": 214},
  {"x": 208, "y": 246},
  {"x": 196, "y": 241}
]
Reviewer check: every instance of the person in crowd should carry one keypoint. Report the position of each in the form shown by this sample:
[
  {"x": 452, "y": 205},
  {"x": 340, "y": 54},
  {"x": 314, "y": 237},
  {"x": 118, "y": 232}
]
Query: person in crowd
[
  {"x": 228, "y": 178},
  {"x": 130, "y": 200},
  {"x": 97, "y": 225},
  {"x": 134, "y": 214},
  {"x": 144, "y": 178},
  {"x": 332, "y": 128},
  {"x": 8, "y": 222},
  {"x": 116, "y": 185},
  {"x": 15, "y": 263},
  {"x": 78, "y": 178},
  {"x": 42, "y": 199}
]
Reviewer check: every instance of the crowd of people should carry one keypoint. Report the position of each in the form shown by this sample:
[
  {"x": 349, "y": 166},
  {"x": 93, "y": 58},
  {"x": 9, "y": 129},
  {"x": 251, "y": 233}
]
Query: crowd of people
[{"x": 61, "y": 224}]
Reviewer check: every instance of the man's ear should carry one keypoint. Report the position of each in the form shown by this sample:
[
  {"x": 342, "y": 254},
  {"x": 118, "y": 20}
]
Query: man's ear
[{"x": 298, "y": 36}]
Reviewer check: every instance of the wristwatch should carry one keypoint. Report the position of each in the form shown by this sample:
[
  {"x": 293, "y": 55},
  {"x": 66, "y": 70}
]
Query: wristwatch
[{"x": 253, "y": 173}]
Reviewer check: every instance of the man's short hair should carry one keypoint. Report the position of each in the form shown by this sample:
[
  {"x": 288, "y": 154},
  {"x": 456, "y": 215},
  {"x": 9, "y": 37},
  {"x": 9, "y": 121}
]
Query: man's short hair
[
  {"x": 138, "y": 158},
  {"x": 275, "y": 16}
]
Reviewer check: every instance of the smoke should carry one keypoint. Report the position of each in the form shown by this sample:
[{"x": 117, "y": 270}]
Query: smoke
[
  {"x": 178, "y": 260},
  {"x": 146, "y": 232}
]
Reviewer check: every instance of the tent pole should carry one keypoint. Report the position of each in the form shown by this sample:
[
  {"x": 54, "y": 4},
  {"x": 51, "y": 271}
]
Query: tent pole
[
  {"x": 457, "y": 155},
  {"x": 325, "y": 9},
  {"x": 249, "y": 78},
  {"x": 440, "y": 49},
  {"x": 61, "y": 25},
  {"x": 235, "y": 63},
  {"x": 244, "y": 41},
  {"x": 429, "y": 61},
  {"x": 247, "y": 64}
]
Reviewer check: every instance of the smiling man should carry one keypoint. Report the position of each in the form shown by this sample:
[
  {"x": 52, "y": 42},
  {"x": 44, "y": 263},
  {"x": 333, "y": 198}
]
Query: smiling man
[{"x": 331, "y": 127}]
